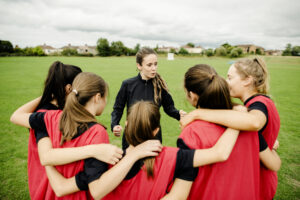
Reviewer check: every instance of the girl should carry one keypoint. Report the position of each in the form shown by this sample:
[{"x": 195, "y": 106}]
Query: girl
[
  {"x": 206, "y": 89},
  {"x": 151, "y": 177},
  {"x": 147, "y": 85},
  {"x": 57, "y": 86},
  {"x": 76, "y": 126},
  {"x": 248, "y": 81}
]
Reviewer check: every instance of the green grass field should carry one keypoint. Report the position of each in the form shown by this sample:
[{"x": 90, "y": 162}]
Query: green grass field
[{"x": 21, "y": 79}]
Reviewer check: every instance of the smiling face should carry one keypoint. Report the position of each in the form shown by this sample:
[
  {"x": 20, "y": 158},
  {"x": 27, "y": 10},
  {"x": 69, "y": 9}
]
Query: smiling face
[
  {"x": 148, "y": 69},
  {"x": 235, "y": 82}
]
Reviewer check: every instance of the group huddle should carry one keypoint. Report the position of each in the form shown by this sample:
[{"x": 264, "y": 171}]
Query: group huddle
[{"x": 225, "y": 151}]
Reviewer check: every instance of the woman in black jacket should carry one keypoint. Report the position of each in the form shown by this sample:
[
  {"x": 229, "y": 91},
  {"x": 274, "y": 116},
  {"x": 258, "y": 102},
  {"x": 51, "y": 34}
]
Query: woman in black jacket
[{"x": 148, "y": 86}]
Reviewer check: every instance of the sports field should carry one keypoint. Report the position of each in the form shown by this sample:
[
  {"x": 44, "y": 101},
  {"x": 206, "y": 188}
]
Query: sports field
[{"x": 21, "y": 79}]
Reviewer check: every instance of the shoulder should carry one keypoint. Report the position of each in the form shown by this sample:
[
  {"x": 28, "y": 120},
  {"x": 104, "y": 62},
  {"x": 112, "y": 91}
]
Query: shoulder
[
  {"x": 130, "y": 81},
  {"x": 53, "y": 114},
  {"x": 98, "y": 134}
]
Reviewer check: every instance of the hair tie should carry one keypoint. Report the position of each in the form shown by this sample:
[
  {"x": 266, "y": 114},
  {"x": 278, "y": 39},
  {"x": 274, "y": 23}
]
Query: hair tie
[{"x": 75, "y": 91}]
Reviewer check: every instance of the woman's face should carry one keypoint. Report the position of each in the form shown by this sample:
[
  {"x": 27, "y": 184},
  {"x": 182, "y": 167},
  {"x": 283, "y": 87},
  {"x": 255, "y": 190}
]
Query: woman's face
[
  {"x": 235, "y": 82},
  {"x": 148, "y": 68}
]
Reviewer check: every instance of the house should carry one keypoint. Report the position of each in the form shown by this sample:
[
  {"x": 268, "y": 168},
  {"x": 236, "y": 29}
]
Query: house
[
  {"x": 273, "y": 52},
  {"x": 69, "y": 47},
  {"x": 166, "y": 49},
  {"x": 87, "y": 50},
  {"x": 197, "y": 49},
  {"x": 48, "y": 49},
  {"x": 249, "y": 48}
]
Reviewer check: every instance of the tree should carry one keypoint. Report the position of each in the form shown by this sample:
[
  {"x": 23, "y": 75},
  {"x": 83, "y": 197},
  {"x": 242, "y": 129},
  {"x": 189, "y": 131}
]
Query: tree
[
  {"x": 183, "y": 51},
  {"x": 296, "y": 51},
  {"x": 258, "y": 51},
  {"x": 69, "y": 52},
  {"x": 288, "y": 50},
  {"x": 103, "y": 47},
  {"x": 209, "y": 52},
  {"x": 6, "y": 47},
  {"x": 117, "y": 48},
  {"x": 136, "y": 48},
  {"x": 221, "y": 51},
  {"x": 236, "y": 52},
  {"x": 38, "y": 51},
  {"x": 190, "y": 44}
]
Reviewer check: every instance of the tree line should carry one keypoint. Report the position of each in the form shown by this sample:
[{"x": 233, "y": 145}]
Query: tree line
[{"x": 117, "y": 48}]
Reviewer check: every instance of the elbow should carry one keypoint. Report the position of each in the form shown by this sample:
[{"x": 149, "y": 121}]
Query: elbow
[
  {"x": 12, "y": 118},
  {"x": 277, "y": 167},
  {"x": 255, "y": 125},
  {"x": 223, "y": 155},
  {"x": 44, "y": 161},
  {"x": 59, "y": 189},
  {"x": 95, "y": 194}
]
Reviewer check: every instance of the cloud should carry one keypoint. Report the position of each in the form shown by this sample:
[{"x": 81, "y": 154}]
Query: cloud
[{"x": 270, "y": 24}]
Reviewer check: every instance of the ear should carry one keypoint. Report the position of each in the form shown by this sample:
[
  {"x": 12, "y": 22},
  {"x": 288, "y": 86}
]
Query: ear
[
  {"x": 194, "y": 97},
  {"x": 248, "y": 81},
  {"x": 68, "y": 88},
  {"x": 97, "y": 97},
  {"x": 139, "y": 66},
  {"x": 155, "y": 131}
]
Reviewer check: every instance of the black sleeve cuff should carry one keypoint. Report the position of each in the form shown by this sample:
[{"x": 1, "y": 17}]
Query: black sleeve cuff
[
  {"x": 94, "y": 168},
  {"x": 181, "y": 144},
  {"x": 184, "y": 165},
  {"x": 40, "y": 134},
  {"x": 262, "y": 142},
  {"x": 81, "y": 181},
  {"x": 36, "y": 121}
]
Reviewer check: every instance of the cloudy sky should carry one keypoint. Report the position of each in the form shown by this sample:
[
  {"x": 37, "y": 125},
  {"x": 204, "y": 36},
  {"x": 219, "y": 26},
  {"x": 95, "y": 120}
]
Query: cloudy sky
[{"x": 267, "y": 23}]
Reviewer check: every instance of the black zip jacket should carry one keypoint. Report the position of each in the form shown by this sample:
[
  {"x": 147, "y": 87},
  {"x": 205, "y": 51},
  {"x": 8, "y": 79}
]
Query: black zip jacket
[{"x": 136, "y": 89}]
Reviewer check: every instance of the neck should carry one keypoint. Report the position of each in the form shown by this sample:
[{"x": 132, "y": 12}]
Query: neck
[
  {"x": 247, "y": 95},
  {"x": 90, "y": 107},
  {"x": 54, "y": 102},
  {"x": 144, "y": 77}
]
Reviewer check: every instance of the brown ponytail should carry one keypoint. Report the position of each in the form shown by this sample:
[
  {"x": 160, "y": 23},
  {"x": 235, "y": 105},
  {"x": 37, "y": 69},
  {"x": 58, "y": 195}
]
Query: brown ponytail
[
  {"x": 211, "y": 88},
  {"x": 257, "y": 69},
  {"x": 158, "y": 82},
  {"x": 74, "y": 115},
  {"x": 143, "y": 118}
]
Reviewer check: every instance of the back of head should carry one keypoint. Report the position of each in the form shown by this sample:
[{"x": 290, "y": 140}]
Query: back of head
[
  {"x": 256, "y": 68},
  {"x": 211, "y": 88},
  {"x": 59, "y": 75},
  {"x": 143, "y": 118},
  {"x": 85, "y": 86}
]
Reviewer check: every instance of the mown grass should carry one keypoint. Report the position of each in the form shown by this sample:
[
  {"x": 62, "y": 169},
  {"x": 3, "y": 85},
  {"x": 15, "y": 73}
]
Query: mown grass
[{"x": 21, "y": 79}]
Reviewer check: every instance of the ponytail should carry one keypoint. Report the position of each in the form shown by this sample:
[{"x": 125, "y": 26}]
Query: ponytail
[
  {"x": 59, "y": 75},
  {"x": 211, "y": 88},
  {"x": 74, "y": 116},
  {"x": 143, "y": 118},
  {"x": 158, "y": 85}
]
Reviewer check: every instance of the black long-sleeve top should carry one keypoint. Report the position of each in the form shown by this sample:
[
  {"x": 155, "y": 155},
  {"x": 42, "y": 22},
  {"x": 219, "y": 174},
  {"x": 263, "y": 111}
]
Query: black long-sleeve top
[{"x": 136, "y": 89}]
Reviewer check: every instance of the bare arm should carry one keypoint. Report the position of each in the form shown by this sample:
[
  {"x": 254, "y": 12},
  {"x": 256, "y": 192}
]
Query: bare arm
[
  {"x": 61, "y": 186},
  {"x": 59, "y": 156},
  {"x": 113, "y": 177},
  {"x": 246, "y": 121},
  {"x": 270, "y": 159},
  {"x": 219, "y": 152},
  {"x": 180, "y": 190},
  {"x": 21, "y": 115}
]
